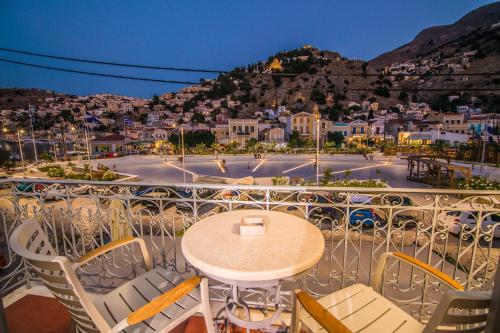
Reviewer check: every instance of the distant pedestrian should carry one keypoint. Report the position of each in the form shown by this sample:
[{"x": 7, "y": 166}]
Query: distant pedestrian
[{"x": 248, "y": 165}]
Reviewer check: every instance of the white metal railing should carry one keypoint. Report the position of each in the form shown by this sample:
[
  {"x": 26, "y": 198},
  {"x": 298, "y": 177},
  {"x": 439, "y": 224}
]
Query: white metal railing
[{"x": 452, "y": 230}]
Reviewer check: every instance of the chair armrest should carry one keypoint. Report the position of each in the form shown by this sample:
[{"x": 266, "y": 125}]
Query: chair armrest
[
  {"x": 320, "y": 314},
  {"x": 113, "y": 245},
  {"x": 444, "y": 278},
  {"x": 158, "y": 304}
]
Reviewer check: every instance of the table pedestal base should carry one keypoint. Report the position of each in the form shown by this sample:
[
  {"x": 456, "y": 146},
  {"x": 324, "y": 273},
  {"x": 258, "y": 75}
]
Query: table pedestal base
[{"x": 234, "y": 301}]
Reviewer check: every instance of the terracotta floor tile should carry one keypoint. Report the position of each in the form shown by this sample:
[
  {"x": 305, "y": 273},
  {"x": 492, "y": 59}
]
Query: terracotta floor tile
[{"x": 37, "y": 314}]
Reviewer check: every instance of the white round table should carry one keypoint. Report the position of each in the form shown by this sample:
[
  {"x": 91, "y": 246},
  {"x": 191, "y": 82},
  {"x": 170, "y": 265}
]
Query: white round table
[{"x": 290, "y": 245}]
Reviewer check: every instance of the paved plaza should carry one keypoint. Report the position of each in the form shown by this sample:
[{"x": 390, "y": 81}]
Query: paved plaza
[{"x": 155, "y": 169}]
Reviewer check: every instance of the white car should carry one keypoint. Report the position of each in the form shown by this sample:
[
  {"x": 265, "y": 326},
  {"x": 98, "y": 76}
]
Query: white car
[{"x": 468, "y": 219}]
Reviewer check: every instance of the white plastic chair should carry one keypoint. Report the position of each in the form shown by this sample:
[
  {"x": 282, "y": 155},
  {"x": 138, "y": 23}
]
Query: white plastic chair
[
  {"x": 362, "y": 308},
  {"x": 156, "y": 301}
]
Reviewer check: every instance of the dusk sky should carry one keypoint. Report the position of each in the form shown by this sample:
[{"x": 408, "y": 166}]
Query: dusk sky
[{"x": 203, "y": 34}]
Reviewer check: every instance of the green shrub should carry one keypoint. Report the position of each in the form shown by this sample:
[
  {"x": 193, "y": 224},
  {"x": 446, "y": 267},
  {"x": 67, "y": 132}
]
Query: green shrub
[
  {"x": 46, "y": 168},
  {"x": 109, "y": 176},
  {"x": 55, "y": 173},
  {"x": 280, "y": 180}
]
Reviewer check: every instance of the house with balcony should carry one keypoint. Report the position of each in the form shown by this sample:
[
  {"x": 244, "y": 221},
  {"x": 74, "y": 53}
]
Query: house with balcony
[
  {"x": 342, "y": 128},
  {"x": 242, "y": 130},
  {"x": 376, "y": 130},
  {"x": 221, "y": 132},
  {"x": 112, "y": 145},
  {"x": 274, "y": 135},
  {"x": 358, "y": 130},
  {"x": 303, "y": 122}
]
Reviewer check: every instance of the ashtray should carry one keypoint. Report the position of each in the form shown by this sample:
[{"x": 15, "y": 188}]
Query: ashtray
[{"x": 252, "y": 226}]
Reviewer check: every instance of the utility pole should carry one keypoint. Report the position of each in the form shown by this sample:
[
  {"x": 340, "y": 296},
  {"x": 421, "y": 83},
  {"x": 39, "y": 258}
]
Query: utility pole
[
  {"x": 484, "y": 148},
  {"x": 30, "y": 107},
  {"x": 53, "y": 144},
  {"x": 317, "y": 117},
  {"x": 21, "y": 148},
  {"x": 63, "y": 132},
  {"x": 183, "y": 155}
]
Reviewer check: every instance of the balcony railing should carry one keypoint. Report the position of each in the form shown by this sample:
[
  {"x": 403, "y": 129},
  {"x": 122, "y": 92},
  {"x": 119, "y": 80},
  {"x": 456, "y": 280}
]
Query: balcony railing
[{"x": 451, "y": 230}]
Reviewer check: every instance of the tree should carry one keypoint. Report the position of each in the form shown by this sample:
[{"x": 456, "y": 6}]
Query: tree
[
  {"x": 370, "y": 114},
  {"x": 191, "y": 139},
  {"x": 382, "y": 91},
  {"x": 156, "y": 100},
  {"x": 197, "y": 118},
  {"x": 403, "y": 96},
  {"x": 327, "y": 176},
  {"x": 335, "y": 137},
  {"x": 46, "y": 157},
  {"x": 6, "y": 161},
  {"x": 294, "y": 140},
  {"x": 318, "y": 97}
]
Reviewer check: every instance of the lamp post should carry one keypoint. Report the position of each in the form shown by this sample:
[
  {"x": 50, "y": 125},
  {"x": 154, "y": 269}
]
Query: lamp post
[
  {"x": 317, "y": 117},
  {"x": 183, "y": 155},
  {"x": 33, "y": 134},
  {"x": 75, "y": 132},
  {"x": 88, "y": 150},
  {"x": 19, "y": 132}
]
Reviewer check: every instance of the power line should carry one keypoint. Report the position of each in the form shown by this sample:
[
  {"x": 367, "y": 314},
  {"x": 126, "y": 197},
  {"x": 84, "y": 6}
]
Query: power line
[
  {"x": 192, "y": 83},
  {"x": 96, "y": 74},
  {"x": 99, "y": 62},
  {"x": 216, "y": 71}
]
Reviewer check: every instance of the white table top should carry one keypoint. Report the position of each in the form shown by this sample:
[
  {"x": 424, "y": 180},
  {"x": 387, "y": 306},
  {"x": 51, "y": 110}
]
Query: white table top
[{"x": 290, "y": 246}]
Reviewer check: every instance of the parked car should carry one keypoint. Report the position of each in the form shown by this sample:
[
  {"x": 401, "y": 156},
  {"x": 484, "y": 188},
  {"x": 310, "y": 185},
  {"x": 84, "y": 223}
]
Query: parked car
[
  {"x": 366, "y": 216},
  {"x": 466, "y": 220},
  {"x": 403, "y": 215}
]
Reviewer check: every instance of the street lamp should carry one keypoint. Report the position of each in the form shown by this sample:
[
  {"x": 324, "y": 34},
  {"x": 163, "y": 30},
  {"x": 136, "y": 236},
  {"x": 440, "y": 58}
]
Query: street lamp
[
  {"x": 183, "y": 155},
  {"x": 317, "y": 117},
  {"x": 19, "y": 132}
]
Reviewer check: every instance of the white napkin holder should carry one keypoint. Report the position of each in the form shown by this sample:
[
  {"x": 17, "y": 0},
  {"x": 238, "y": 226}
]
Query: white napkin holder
[{"x": 252, "y": 226}]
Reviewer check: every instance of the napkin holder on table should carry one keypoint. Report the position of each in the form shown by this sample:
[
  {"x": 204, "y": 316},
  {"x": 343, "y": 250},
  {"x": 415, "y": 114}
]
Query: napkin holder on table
[{"x": 252, "y": 226}]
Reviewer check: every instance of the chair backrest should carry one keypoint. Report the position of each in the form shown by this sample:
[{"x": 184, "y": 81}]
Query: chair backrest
[
  {"x": 30, "y": 242},
  {"x": 460, "y": 311}
]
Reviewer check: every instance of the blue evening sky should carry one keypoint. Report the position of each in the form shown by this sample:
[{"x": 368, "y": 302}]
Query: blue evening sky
[{"x": 206, "y": 34}]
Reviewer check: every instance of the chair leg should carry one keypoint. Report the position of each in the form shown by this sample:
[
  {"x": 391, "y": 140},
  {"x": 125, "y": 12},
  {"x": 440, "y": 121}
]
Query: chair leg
[{"x": 205, "y": 306}]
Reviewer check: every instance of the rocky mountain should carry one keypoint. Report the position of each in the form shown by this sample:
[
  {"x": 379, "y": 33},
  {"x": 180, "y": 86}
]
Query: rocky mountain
[{"x": 434, "y": 37}]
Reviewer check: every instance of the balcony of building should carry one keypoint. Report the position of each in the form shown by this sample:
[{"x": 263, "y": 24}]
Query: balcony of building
[{"x": 456, "y": 233}]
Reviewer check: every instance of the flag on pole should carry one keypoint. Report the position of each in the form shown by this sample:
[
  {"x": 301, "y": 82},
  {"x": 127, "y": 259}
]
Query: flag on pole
[
  {"x": 91, "y": 119},
  {"x": 128, "y": 121}
]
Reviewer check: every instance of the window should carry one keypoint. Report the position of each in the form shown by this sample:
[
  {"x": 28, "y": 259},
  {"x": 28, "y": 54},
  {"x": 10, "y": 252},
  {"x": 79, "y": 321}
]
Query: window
[
  {"x": 362, "y": 130},
  {"x": 240, "y": 129},
  {"x": 252, "y": 129},
  {"x": 354, "y": 130},
  {"x": 246, "y": 129},
  {"x": 234, "y": 129}
]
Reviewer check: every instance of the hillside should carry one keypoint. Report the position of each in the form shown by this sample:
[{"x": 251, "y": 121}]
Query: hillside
[
  {"x": 432, "y": 38},
  {"x": 304, "y": 76},
  {"x": 20, "y": 98}
]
